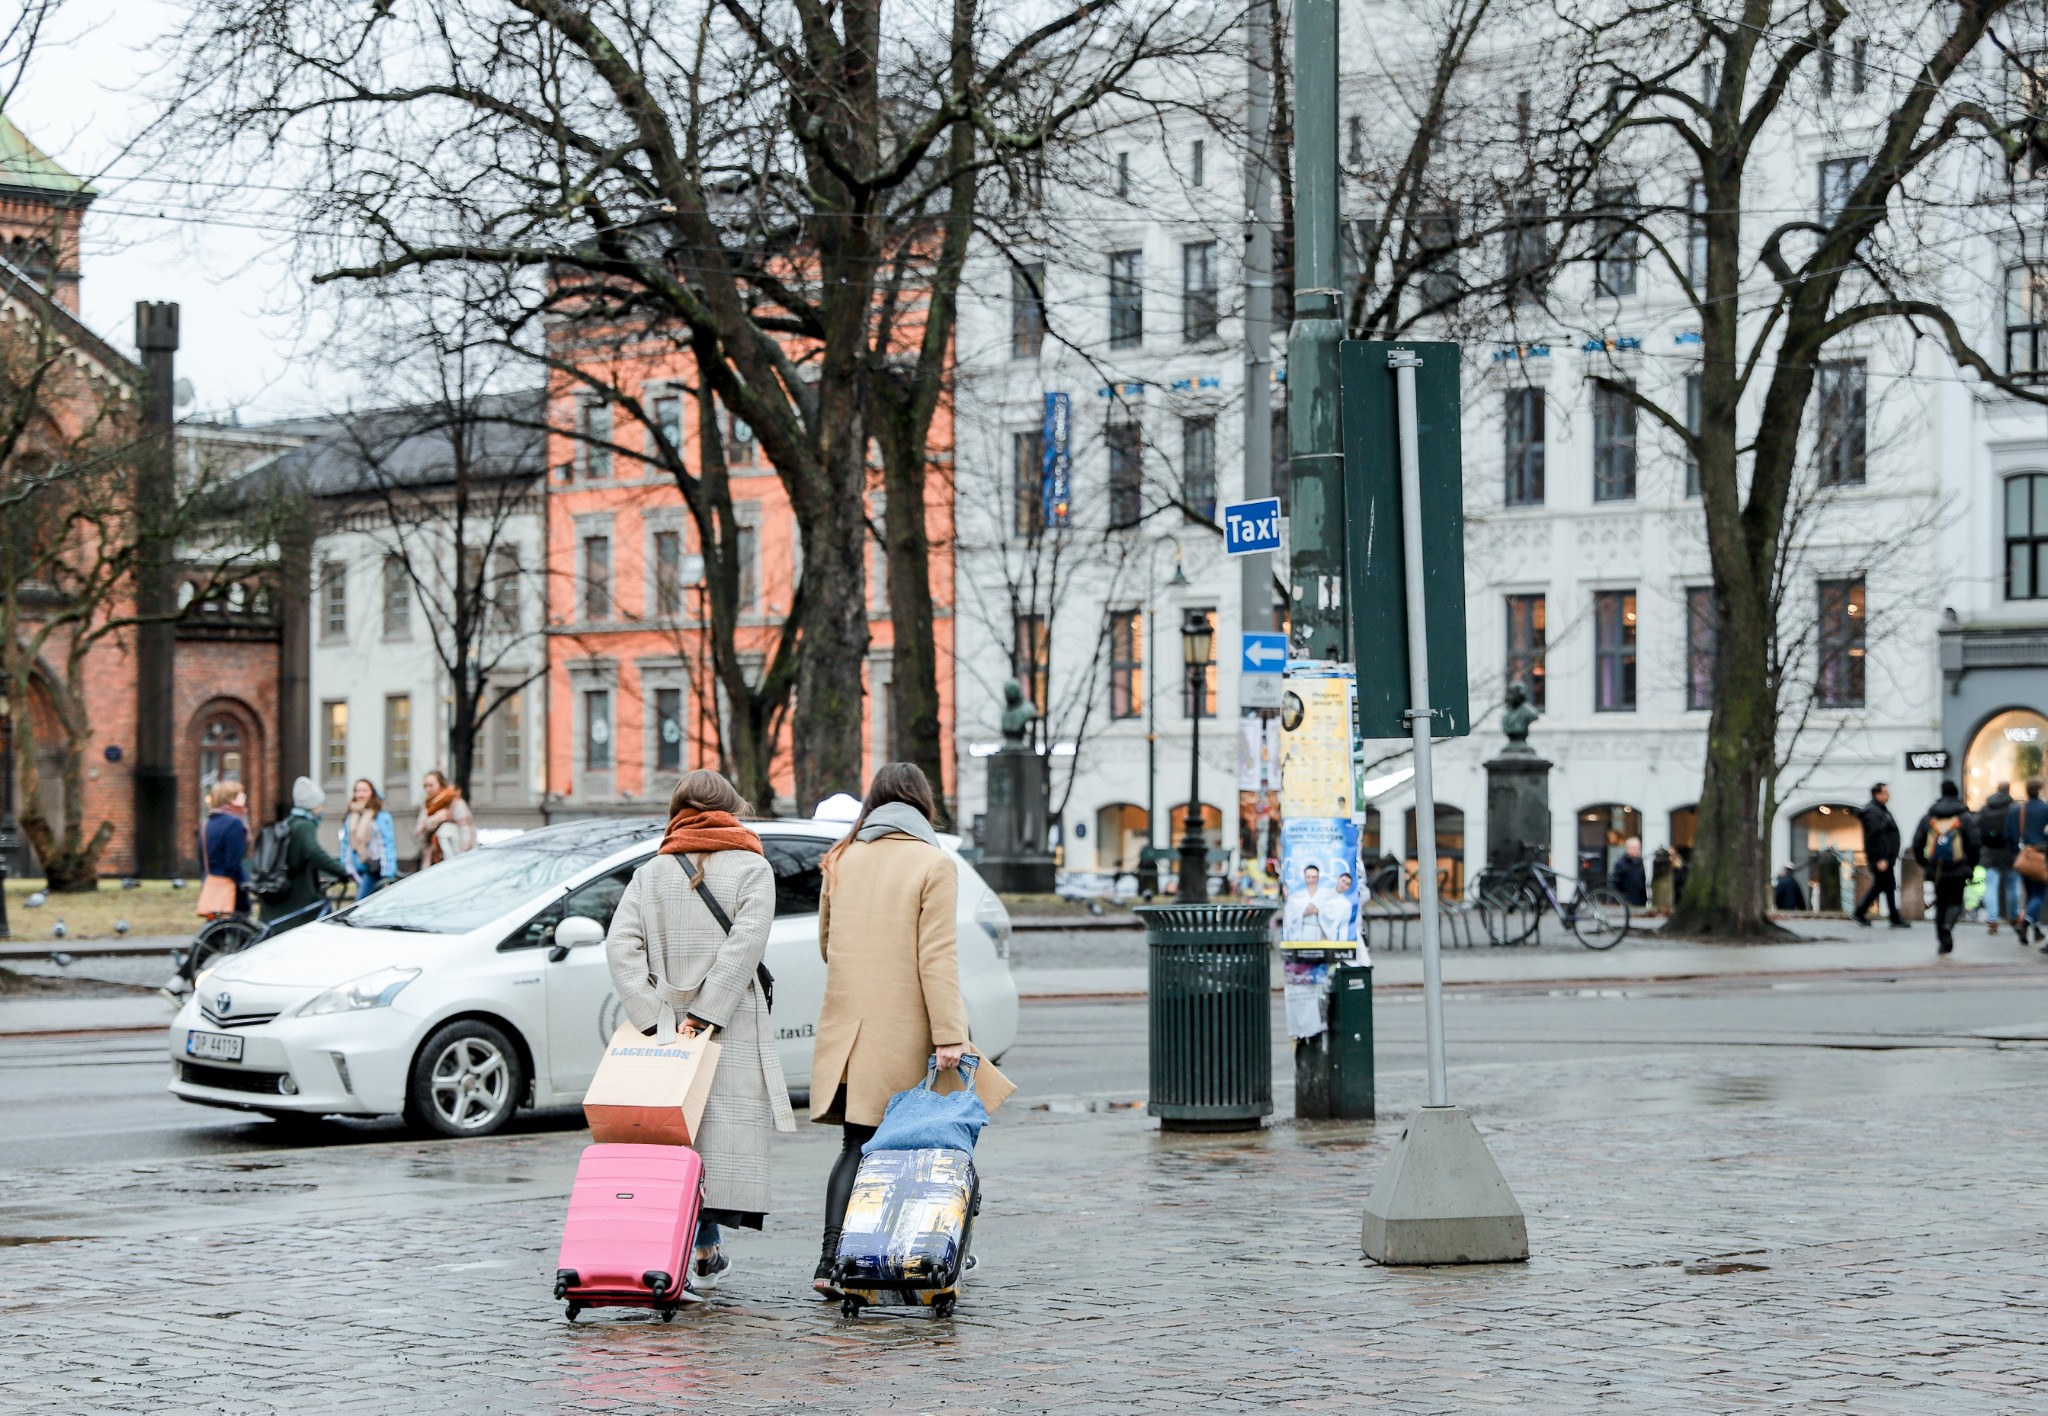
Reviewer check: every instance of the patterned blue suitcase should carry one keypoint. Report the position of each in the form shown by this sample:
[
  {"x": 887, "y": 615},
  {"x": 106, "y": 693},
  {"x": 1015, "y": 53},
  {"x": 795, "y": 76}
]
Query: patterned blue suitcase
[{"x": 908, "y": 1228}]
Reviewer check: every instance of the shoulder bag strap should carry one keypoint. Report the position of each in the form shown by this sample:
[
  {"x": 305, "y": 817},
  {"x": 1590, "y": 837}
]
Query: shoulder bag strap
[{"x": 695, "y": 874}]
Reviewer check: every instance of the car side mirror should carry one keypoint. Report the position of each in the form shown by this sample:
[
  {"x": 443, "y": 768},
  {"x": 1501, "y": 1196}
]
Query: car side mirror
[{"x": 578, "y": 932}]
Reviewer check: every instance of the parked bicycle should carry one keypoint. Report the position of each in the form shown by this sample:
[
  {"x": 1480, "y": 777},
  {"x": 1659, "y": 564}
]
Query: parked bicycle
[{"x": 1513, "y": 904}]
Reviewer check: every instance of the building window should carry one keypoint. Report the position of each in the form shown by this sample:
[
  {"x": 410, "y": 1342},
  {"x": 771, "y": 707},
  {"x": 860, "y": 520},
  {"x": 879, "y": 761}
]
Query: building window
[
  {"x": 1614, "y": 268},
  {"x": 1528, "y": 251},
  {"x": 334, "y": 743},
  {"x": 668, "y": 574},
  {"x": 1525, "y": 446},
  {"x": 1126, "y": 473},
  {"x": 511, "y": 735},
  {"x": 1027, "y": 454},
  {"x": 1126, "y": 663},
  {"x": 1436, "y": 247},
  {"x": 1526, "y": 643},
  {"x": 1693, "y": 386},
  {"x": 505, "y": 592},
  {"x": 1839, "y": 178},
  {"x": 1123, "y": 174},
  {"x": 597, "y": 577},
  {"x": 1843, "y": 388},
  {"x": 1198, "y": 465},
  {"x": 334, "y": 600},
  {"x": 1354, "y": 141},
  {"x": 1614, "y": 651},
  {"x": 397, "y": 739},
  {"x": 742, "y": 448},
  {"x": 1825, "y": 75},
  {"x": 220, "y": 753},
  {"x": 746, "y": 548},
  {"x": 1126, "y": 299},
  {"x": 1198, "y": 153},
  {"x": 597, "y": 438},
  {"x": 2026, "y": 322},
  {"x": 1859, "y": 65},
  {"x": 668, "y": 425},
  {"x": 397, "y": 599},
  {"x": 1841, "y": 643},
  {"x": 1033, "y": 659},
  {"x": 1198, "y": 685},
  {"x": 1699, "y": 647},
  {"x": 2026, "y": 537},
  {"x": 668, "y": 730},
  {"x": 1198, "y": 291},
  {"x": 1027, "y": 311},
  {"x": 1614, "y": 444},
  {"x": 597, "y": 730},
  {"x": 1696, "y": 239}
]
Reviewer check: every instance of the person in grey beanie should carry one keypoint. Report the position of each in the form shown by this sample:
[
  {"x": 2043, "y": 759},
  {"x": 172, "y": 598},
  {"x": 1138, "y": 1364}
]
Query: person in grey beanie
[{"x": 306, "y": 860}]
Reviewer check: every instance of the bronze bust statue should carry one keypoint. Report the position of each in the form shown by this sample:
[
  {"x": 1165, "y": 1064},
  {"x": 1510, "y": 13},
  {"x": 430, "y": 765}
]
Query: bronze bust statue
[
  {"x": 1519, "y": 715},
  {"x": 1018, "y": 713}
]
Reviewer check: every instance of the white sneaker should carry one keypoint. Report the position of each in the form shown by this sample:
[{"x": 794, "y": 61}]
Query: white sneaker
[{"x": 710, "y": 1272}]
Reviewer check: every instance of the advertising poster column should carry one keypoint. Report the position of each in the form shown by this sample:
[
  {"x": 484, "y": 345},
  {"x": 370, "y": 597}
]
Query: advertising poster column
[{"x": 1320, "y": 888}]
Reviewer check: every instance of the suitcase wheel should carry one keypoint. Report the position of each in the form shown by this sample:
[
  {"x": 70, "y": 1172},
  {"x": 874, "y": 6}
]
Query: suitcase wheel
[
  {"x": 942, "y": 1306},
  {"x": 668, "y": 1313},
  {"x": 575, "y": 1310},
  {"x": 850, "y": 1306}
]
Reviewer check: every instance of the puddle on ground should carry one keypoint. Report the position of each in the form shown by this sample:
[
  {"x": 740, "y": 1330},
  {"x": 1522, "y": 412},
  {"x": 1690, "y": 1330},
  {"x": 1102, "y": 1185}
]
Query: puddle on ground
[
  {"x": 1076, "y": 1105},
  {"x": 10, "y": 1241},
  {"x": 1709, "y": 1267}
]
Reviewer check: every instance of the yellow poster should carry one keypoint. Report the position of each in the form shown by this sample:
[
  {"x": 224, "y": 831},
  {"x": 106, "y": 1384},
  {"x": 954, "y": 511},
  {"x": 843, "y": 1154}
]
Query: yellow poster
[{"x": 1315, "y": 746}]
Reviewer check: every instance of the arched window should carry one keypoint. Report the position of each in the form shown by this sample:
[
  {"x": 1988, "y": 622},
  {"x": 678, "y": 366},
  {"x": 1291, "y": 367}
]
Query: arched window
[
  {"x": 1603, "y": 830},
  {"x": 220, "y": 752},
  {"x": 2026, "y": 536}
]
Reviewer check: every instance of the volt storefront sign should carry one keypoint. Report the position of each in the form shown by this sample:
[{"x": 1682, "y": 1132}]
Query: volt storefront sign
[{"x": 1056, "y": 484}]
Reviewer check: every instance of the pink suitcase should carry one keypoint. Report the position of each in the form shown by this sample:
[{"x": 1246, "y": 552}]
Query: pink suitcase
[{"x": 631, "y": 1228}]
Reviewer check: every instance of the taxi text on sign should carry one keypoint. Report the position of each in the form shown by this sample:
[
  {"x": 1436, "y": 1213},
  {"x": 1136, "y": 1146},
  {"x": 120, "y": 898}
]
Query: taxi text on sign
[
  {"x": 1372, "y": 509},
  {"x": 1252, "y": 526}
]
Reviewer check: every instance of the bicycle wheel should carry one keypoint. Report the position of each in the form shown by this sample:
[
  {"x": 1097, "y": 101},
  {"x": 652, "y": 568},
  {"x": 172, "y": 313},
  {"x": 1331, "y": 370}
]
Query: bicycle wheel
[
  {"x": 1600, "y": 918},
  {"x": 229, "y": 934}
]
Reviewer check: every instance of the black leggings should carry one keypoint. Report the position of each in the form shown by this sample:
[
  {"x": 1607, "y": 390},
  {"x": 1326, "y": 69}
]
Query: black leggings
[{"x": 839, "y": 1188}]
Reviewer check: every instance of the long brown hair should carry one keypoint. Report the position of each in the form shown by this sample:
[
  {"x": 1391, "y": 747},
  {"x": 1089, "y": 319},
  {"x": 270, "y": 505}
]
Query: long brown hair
[{"x": 893, "y": 782}]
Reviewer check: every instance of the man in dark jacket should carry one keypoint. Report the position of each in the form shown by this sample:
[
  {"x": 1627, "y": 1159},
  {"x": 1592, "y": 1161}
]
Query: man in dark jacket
[
  {"x": 1787, "y": 894},
  {"x": 1627, "y": 876},
  {"x": 2001, "y": 883},
  {"x": 1881, "y": 854},
  {"x": 1947, "y": 846},
  {"x": 306, "y": 860}
]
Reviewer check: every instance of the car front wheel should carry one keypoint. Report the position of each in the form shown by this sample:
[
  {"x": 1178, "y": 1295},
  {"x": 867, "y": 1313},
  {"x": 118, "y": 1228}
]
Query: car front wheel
[{"x": 466, "y": 1081}]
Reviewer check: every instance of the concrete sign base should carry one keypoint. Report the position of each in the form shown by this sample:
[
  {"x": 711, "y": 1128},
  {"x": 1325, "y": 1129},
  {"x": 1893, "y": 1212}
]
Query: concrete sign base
[{"x": 1440, "y": 1199}]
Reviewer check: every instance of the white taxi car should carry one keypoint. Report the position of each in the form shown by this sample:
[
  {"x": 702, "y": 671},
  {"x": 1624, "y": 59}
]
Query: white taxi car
[{"x": 462, "y": 993}]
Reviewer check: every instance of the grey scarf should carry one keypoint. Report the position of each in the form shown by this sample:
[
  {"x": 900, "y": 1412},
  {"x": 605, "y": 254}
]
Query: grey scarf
[{"x": 898, "y": 816}]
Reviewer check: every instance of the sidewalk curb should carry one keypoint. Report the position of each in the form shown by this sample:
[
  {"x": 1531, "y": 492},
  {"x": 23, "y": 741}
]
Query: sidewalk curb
[{"x": 79, "y": 1032}]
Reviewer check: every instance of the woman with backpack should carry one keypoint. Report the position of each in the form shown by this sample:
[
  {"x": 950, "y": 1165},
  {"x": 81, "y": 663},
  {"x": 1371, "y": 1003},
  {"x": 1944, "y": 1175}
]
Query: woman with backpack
[
  {"x": 1947, "y": 846},
  {"x": 2026, "y": 833},
  {"x": 688, "y": 937},
  {"x": 887, "y": 928}
]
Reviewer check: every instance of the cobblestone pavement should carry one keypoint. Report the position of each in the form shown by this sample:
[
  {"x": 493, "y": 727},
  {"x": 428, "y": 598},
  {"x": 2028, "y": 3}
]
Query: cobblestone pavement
[{"x": 1757, "y": 1228}]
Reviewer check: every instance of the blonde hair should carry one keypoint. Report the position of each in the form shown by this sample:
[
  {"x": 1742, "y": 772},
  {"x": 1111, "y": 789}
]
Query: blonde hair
[{"x": 221, "y": 794}]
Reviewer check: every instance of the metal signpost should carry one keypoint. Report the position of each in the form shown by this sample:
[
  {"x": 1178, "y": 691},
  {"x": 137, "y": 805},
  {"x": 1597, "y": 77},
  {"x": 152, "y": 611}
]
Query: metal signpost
[{"x": 1440, "y": 1198}]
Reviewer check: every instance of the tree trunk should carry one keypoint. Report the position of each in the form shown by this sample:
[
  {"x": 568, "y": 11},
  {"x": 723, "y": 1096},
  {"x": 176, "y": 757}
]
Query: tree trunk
[
  {"x": 829, "y": 693},
  {"x": 70, "y": 862},
  {"x": 915, "y": 731}
]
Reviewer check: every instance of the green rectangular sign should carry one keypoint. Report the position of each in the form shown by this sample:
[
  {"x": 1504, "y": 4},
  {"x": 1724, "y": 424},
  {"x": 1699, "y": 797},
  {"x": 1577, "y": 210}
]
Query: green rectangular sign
[{"x": 1372, "y": 510}]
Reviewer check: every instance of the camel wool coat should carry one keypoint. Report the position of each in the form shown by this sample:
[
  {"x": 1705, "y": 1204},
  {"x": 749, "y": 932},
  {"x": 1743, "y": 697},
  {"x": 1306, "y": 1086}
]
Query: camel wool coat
[{"x": 887, "y": 928}]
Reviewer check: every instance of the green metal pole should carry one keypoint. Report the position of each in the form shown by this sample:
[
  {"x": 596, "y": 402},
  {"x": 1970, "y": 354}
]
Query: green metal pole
[{"x": 1314, "y": 435}]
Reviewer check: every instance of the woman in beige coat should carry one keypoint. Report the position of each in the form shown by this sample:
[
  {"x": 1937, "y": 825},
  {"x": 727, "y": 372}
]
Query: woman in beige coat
[
  {"x": 886, "y": 925},
  {"x": 669, "y": 952}
]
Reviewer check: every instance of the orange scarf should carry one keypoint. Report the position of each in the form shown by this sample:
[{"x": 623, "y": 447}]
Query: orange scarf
[
  {"x": 443, "y": 799},
  {"x": 708, "y": 831}
]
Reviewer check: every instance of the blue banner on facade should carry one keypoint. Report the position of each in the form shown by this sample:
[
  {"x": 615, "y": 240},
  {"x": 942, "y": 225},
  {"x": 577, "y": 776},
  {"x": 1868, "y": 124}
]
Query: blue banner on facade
[{"x": 1056, "y": 487}]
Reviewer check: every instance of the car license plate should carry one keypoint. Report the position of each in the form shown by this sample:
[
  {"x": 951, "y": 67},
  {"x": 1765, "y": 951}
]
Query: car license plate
[{"x": 218, "y": 1046}]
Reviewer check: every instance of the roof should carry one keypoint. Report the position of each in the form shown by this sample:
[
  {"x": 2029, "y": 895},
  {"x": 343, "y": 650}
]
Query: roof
[
  {"x": 415, "y": 447},
  {"x": 17, "y": 284},
  {"x": 24, "y": 165}
]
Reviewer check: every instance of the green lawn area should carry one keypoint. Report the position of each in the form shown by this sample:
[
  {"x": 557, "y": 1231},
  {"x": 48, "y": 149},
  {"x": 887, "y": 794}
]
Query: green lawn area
[{"x": 153, "y": 908}]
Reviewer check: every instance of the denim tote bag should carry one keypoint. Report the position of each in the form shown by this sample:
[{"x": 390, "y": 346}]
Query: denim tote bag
[{"x": 922, "y": 1119}]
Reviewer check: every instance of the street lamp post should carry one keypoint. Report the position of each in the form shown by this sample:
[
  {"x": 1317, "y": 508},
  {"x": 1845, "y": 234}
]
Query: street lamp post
[
  {"x": 9, "y": 831},
  {"x": 1148, "y": 868},
  {"x": 1197, "y": 638}
]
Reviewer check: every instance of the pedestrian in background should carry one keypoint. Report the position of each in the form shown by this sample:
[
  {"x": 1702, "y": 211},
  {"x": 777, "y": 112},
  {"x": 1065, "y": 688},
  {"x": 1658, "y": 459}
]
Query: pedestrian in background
[
  {"x": 1946, "y": 845},
  {"x": 2001, "y": 884},
  {"x": 2026, "y": 832},
  {"x": 306, "y": 861},
  {"x": 887, "y": 923},
  {"x": 1881, "y": 853},
  {"x": 666, "y": 946},
  {"x": 446, "y": 828},
  {"x": 1786, "y": 894},
  {"x": 1627, "y": 877},
  {"x": 369, "y": 842},
  {"x": 223, "y": 848}
]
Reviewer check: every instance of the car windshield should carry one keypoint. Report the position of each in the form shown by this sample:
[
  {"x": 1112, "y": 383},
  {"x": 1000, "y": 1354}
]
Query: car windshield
[{"x": 471, "y": 890}]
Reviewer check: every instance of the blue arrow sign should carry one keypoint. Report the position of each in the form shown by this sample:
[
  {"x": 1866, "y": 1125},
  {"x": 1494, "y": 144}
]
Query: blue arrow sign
[
  {"x": 1252, "y": 526},
  {"x": 1264, "y": 653}
]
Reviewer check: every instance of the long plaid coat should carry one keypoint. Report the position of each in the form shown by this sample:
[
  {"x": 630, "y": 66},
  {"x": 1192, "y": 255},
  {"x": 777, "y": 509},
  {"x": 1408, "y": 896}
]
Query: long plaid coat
[{"x": 664, "y": 934}]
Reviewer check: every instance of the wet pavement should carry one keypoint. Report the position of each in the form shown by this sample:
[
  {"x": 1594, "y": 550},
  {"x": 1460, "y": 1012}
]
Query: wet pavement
[{"x": 1783, "y": 1195}]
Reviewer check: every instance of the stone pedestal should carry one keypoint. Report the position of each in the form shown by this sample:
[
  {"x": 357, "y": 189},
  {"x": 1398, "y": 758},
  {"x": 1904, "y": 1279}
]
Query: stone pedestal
[
  {"x": 1517, "y": 807},
  {"x": 1014, "y": 859}
]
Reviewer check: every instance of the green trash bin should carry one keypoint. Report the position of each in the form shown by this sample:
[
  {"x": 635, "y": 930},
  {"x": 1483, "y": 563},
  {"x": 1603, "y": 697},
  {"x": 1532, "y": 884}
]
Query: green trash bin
[{"x": 1211, "y": 1023}]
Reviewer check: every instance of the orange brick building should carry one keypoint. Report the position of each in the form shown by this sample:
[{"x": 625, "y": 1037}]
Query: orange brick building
[{"x": 632, "y": 697}]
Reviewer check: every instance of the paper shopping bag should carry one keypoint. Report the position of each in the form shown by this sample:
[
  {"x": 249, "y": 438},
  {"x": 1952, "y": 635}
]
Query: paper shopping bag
[{"x": 648, "y": 1091}]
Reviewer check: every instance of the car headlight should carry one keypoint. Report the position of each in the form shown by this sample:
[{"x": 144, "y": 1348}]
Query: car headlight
[{"x": 370, "y": 991}]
